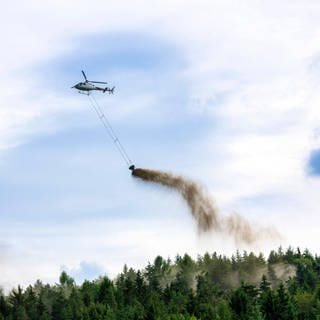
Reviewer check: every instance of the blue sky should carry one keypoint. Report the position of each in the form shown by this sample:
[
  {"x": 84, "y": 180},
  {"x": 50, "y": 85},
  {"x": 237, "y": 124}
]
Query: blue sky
[
  {"x": 222, "y": 92},
  {"x": 314, "y": 163}
]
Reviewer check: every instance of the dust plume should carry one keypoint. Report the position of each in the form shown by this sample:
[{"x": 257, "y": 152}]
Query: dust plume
[
  {"x": 243, "y": 231},
  {"x": 203, "y": 208},
  {"x": 283, "y": 271}
]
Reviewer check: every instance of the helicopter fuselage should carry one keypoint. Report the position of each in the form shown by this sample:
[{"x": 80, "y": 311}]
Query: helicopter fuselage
[{"x": 87, "y": 86}]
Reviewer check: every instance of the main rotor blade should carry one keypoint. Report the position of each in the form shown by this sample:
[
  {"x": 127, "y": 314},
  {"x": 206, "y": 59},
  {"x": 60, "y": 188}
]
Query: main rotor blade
[
  {"x": 98, "y": 82},
  {"x": 85, "y": 78}
]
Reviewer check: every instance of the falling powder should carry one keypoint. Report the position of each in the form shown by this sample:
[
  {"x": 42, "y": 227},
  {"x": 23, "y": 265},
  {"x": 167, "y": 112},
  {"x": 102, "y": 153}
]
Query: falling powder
[{"x": 203, "y": 208}]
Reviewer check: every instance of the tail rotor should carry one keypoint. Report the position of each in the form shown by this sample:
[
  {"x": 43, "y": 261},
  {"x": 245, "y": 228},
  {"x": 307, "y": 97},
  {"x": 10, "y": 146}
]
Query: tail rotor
[{"x": 111, "y": 91}]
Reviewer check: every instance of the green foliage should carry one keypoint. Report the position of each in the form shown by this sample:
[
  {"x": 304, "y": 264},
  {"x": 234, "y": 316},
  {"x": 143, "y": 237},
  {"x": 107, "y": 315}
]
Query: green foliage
[
  {"x": 307, "y": 305},
  {"x": 241, "y": 304},
  {"x": 213, "y": 287},
  {"x": 65, "y": 280}
]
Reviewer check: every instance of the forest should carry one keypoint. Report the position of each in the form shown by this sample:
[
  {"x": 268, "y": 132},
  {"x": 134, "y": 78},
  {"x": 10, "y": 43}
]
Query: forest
[{"x": 284, "y": 285}]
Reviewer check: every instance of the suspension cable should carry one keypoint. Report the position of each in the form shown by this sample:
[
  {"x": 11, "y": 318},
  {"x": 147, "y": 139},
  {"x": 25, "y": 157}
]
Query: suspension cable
[{"x": 105, "y": 122}]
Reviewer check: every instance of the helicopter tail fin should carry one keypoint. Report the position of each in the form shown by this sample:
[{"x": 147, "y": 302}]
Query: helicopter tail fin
[{"x": 109, "y": 90}]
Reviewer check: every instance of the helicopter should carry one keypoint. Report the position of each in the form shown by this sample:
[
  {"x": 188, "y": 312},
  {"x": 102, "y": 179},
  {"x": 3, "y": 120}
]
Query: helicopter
[{"x": 89, "y": 85}]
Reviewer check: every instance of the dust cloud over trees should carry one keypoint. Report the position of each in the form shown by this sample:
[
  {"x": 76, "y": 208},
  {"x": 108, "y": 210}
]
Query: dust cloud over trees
[{"x": 245, "y": 286}]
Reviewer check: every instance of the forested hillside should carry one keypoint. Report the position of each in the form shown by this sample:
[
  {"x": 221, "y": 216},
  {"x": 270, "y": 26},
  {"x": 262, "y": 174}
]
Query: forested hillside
[{"x": 286, "y": 285}]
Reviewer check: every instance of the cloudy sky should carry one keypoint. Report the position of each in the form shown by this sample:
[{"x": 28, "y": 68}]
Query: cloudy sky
[{"x": 224, "y": 92}]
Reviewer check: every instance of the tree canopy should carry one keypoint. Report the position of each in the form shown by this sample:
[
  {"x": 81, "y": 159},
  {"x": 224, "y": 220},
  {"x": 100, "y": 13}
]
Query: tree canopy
[{"x": 284, "y": 286}]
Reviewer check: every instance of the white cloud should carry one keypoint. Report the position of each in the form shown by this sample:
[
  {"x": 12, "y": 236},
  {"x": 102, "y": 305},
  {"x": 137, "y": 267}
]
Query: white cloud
[
  {"x": 251, "y": 67},
  {"x": 226, "y": 43}
]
